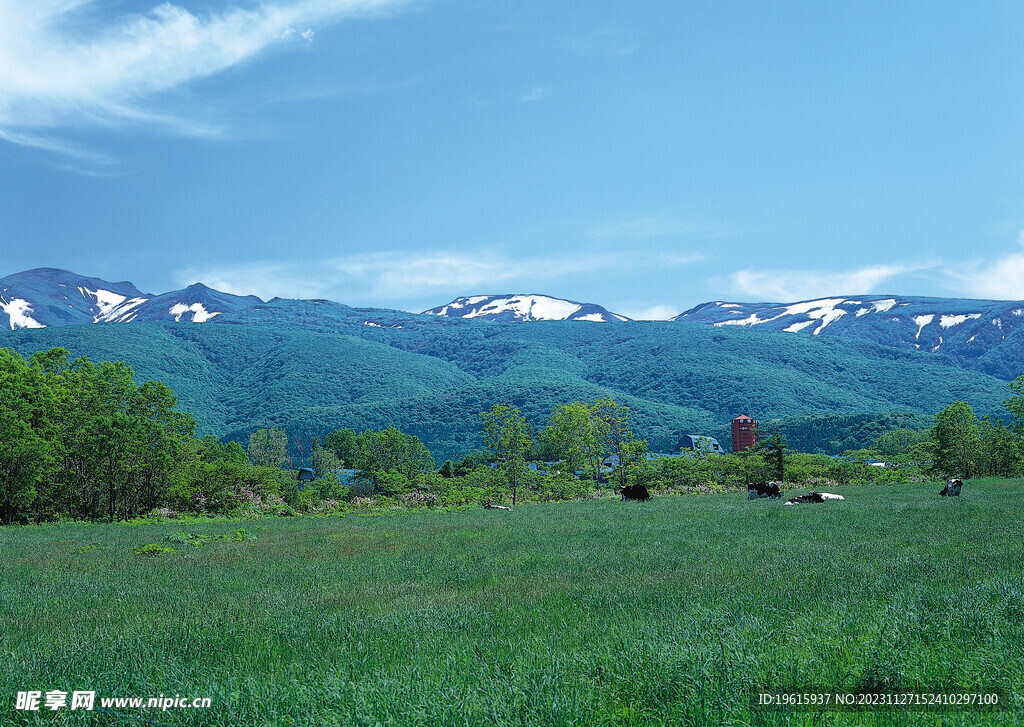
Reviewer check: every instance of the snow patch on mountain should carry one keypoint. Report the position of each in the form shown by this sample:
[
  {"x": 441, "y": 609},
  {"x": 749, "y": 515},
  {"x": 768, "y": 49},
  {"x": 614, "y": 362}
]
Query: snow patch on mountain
[
  {"x": 18, "y": 311},
  {"x": 921, "y": 322},
  {"x": 751, "y": 320},
  {"x": 797, "y": 327},
  {"x": 532, "y": 308},
  {"x": 123, "y": 313},
  {"x": 110, "y": 307},
  {"x": 950, "y": 321},
  {"x": 823, "y": 310},
  {"x": 199, "y": 312}
]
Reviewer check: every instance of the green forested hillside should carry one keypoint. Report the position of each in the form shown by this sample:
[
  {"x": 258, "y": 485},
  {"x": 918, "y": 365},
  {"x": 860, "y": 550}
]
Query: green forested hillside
[
  {"x": 837, "y": 433},
  {"x": 318, "y": 366}
]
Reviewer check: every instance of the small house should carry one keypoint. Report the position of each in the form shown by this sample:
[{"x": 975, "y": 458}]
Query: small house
[
  {"x": 701, "y": 443},
  {"x": 305, "y": 475}
]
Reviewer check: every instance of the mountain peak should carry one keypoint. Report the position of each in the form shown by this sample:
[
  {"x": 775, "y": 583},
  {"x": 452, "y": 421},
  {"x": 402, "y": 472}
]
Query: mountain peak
[
  {"x": 45, "y": 297},
  {"x": 520, "y": 307}
]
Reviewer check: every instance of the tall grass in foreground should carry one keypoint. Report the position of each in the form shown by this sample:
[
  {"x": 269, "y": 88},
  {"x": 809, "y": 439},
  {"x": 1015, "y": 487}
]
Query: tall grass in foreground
[{"x": 671, "y": 612}]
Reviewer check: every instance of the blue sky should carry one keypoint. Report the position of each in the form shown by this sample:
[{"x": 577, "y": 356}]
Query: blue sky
[{"x": 646, "y": 156}]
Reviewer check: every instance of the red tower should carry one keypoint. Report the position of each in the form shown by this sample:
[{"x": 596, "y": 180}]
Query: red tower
[{"x": 743, "y": 435}]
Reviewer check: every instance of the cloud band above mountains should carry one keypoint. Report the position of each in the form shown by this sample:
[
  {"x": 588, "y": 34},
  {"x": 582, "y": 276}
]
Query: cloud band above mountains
[{"x": 62, "y": 66}]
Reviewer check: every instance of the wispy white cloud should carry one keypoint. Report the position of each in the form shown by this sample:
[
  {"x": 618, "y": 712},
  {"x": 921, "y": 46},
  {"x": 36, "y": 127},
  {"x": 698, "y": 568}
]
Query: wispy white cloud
[
  {"x": 394, "y": 278},
  {"x": 785, "y": 286},
  {"x": 56, "y": 146},
  {"x": 999, "y": 279},
  {"x": 61, "y": 66},
  {"x": 263, "y": 278}
]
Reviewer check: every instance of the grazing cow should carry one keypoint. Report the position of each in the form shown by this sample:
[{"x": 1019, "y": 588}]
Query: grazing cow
[
  {"x": 952, "y": 488},
  {"x": 814, "y": 497},
  {"x": 635, "y": 492},
  {"x": 763, "y": 489}
]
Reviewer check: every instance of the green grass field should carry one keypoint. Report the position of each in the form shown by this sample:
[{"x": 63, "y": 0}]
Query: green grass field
[{"x": 670, "y": 612}]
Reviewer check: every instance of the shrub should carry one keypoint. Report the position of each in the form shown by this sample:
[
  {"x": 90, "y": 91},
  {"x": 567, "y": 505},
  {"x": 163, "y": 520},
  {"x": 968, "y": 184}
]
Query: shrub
[{"x": 562, "y": 487}]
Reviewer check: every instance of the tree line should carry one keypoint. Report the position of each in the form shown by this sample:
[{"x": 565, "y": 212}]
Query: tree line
[{"x": 83, "y": 440}]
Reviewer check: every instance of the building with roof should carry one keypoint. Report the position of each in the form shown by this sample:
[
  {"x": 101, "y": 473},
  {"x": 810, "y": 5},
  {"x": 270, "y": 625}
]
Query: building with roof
[
  {"x": 701, "y": 443},
  {"x": 744, "y": 434}
]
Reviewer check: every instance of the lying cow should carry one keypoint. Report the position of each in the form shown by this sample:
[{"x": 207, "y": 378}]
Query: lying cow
[
  {"x": 952, "y": 488},
  {"x": 814, "y": 497},
  {"x": 763, "y": 489},
  {"x": 635, "y": 492}
]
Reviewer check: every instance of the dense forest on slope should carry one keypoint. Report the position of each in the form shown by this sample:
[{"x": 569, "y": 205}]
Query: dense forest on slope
[
  {"x": 314, "y": 366},
  {"x": 837, "y": 433}
]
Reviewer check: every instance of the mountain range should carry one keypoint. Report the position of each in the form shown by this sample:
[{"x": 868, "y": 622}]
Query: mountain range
[
  {"x": 312, "y": 366},
  {"x": 47, "y": 297},
  {"x": 981, "y": 335}
]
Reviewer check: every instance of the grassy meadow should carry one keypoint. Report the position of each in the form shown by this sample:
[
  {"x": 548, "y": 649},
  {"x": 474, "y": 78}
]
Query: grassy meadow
[{"x": 671, "y": 612}]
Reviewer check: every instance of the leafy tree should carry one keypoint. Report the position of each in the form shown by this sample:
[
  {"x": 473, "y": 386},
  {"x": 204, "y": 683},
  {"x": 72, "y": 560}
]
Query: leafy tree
[
  {"x": 25, "y": 457},
  {"x": 268, "y": 448},
  {"x": 343, "y": 443},
  {"x": 920, "y": 455},
  {"x": 470, "y": 462},
  {"x": 612, "y": 426},
  {"x": 1001, "y": 450},
  {"x": 212, "y": 449},
  {"x": 1015, "y": 404},
  {"x": 100, "y": 445},
  {"x": 774, "y": 452},
  {"x": 447, "y": 470},
  {"x": 957, "y": 440},
  {"x": 325, "y": 462},
  {"x": 893, "y": 444},
  {"x": 575, "y": 436},
  {"x": 507, "y": 434},
  {"x": 162, "y": 439},
  {"x": 379, "y": 454}
]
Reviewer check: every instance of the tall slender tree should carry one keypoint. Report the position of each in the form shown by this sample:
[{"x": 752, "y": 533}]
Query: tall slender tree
[
  {"x": 574, "y": 433},
  {"x": 957, "y": 440},
  {"x": 612, "y": 424},
  {"x": 507, "y": 435},
  {"x": 268, "y": 448}
]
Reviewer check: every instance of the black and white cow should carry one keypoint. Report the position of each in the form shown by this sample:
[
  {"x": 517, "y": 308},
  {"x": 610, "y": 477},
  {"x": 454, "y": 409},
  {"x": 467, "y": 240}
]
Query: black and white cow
[
  {"x": 635, "y": 492},
  {"x": 814, "y": 497},
  {"x": 952, "y": 488},
  {"x": 763, "y": 489}
]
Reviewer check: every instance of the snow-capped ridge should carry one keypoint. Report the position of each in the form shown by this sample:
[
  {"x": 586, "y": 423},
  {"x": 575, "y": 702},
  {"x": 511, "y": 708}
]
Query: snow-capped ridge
[
  {"x": 940, "y": 325},
  {"x": 524, "y": 308},
  {"x": 45, "y": 297}
]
